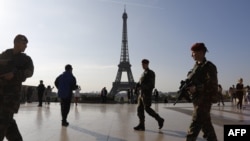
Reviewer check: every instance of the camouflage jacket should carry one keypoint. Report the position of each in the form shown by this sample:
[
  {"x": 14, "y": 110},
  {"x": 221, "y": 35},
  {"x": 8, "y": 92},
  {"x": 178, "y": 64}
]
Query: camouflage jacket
[
  {"x": 20, "y": 64},
  {"x": 147, "y": 81},
  {"x": 22, "y": 67},
  {"x": 206, "y": 82}
]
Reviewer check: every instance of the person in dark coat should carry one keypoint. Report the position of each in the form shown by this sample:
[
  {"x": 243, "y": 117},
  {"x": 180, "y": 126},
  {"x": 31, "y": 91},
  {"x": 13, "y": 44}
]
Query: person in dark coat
[
  {"x": 40, "y": 91},
  {"x": 220, "y": 95},
  {"x": 29, "y": 94},
  {"x": 65, "y": 83},
  {"x": 156, "y": 94},
  {"x": 240, "y": 93},
  {"x": 104, "y": 93}
]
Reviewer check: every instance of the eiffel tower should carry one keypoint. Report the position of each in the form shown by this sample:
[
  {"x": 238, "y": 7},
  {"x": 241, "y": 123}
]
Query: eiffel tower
[{"x": 124, "y": 65}]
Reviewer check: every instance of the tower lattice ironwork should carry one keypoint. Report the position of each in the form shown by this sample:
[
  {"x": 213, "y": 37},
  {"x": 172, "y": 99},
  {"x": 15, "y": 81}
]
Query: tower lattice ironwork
[{"x": 124, "y": 65}]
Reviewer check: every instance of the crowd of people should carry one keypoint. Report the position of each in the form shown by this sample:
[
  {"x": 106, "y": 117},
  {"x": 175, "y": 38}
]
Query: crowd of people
[
  {"x": 239, "y": 94},
  {"x": 204, "y": 91}
]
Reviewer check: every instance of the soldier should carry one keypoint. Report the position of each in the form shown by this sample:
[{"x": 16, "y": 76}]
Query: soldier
[
  {"x": 204, "y": 93},
  {"x": 146, "y": 86},
  {"x": 15, "y": 68}
]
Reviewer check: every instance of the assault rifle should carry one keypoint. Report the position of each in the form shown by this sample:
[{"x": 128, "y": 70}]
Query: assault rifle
[
  {"x": 137, "y": 88},
  {"x": 191, "y": 80},
  {"x": 183, "y": 91}
]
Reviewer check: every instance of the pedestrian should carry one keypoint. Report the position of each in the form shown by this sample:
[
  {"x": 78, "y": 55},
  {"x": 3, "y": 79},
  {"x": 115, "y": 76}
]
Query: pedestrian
[
  {"x": 48, "y": 93},
  {"x": 15, "y": 67},
  {"x": 248, "y": 94},
  {"x": 220, "y": 96},
  {"x": 40, "y": 91},
  {"x": 104, "y": 93},
  {"x": 146, "y": 86},
  {"x": 136, "y": 92},
  {"x": 29, "y": 94},
  {"x": 77, "y": 95},
  {"x": 204, "y": 93},
  {"x": 234, "y": 94},
  {"x": 132, "y": 99},
  {"x": 65, "y": 83},
  {"x": 230, "y": 92},
  {"x": 156, "y": 94},
  {"x": 129, "y": 95},
  {"x": 240, "y": 93}
]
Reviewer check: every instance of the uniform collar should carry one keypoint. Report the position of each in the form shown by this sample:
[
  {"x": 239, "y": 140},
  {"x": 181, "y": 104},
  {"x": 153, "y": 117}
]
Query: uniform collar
[{"x": 203, "y": 61}]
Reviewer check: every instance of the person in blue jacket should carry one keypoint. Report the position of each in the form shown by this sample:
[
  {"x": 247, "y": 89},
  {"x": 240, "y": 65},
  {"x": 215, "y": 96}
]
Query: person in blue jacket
[{"x": 65, "y": 83}]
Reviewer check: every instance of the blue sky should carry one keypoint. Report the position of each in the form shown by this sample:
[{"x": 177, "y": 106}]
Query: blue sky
[{"x": 88, "y": 34}]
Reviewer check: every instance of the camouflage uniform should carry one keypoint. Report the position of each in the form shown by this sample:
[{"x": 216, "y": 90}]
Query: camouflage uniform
[
  {"x": 206, "y": 94},
  {"x": 22, "y": 67},
  {"x": 147, "y": 84}
]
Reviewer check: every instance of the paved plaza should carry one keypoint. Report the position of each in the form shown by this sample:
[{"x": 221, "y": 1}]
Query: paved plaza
[{"x": 115, "y": 122}]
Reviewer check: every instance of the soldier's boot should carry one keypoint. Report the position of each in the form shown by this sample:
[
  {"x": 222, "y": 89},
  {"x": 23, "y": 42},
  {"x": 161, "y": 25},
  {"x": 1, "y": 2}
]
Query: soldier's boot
[
  {"x": 211, "y": 137},
  {"x": 160, "y": 122},
  {"x": 65, "y": 123},
  {"x": 191, "y": 137},
  {"x": 140, "y": 127},
  {"x": 205, "y": 136}
]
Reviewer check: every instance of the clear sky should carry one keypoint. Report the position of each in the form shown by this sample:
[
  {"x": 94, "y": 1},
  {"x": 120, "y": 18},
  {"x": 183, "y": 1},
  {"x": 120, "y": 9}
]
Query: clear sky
[{"x": 88, "y": 34}]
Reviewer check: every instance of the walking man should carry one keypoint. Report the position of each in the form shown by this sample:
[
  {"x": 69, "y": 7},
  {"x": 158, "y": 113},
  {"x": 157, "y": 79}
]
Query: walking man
[
  {"x": 15, "y": 67},
  {"x": 40, "y": 91},
  {"x": 240, "y": 93},
  {"x": 104, "y": 93},
  {"x": 146, "y": 86},
  {"x": 65, "y": 83},
  {"x": 156, "y": 94},
  {"x": 220, "y": 95}
]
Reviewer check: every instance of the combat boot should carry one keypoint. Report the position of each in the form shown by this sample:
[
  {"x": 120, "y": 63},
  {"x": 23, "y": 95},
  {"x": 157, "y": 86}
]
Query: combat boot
[
  {"x": 160, "y": 122},
  {"x": 65, "y": 123},
  {"x": 140, "y": 127}
]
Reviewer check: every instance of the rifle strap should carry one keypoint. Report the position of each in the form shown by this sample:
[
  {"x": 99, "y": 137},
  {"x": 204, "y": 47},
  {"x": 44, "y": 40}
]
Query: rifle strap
[{"x": 196, "y": 70}]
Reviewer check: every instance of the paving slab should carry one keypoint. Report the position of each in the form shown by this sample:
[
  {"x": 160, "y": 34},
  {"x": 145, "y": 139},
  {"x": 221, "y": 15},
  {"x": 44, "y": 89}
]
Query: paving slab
[{"x": 115, "y": 122}]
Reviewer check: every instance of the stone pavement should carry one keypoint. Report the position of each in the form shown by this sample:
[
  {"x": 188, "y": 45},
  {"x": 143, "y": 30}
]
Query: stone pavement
[{"x": 115, "y": 122}]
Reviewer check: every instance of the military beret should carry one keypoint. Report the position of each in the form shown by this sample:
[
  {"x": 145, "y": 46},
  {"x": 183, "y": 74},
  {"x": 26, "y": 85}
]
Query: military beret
[
  {"x": 145, "y": 61},
  {"x": 20, "y": 37},
  {"x": 199, "y": 47}
]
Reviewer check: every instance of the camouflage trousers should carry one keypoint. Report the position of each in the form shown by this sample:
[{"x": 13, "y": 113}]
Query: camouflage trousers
[
  {"x": 144, "y": 103},
  {"x": 9, "y": 104},
  {"x": 201, "y": 120},
  {"x": 8, "y": 127}
]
